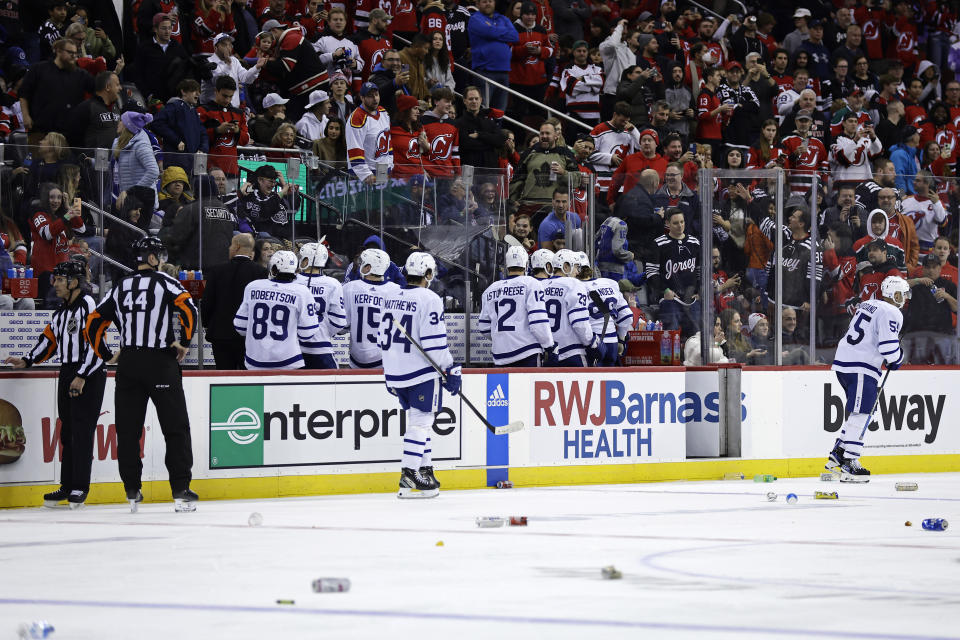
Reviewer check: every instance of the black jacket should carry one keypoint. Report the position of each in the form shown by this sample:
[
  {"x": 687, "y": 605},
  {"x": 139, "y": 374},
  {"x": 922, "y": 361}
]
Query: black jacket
[
  {"x": 183, "y": 239},
  {"x": 94, "y": 124},
  {"x": 644, "y": 225},
  {"x": 158, "y": 72},
  {"x": 482, "y": 150},
  {"x": 224, "y": 293}
]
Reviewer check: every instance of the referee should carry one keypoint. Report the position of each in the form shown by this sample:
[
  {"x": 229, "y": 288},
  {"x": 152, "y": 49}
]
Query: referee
[
  {"x": 80, "y": 384},
  {"x": 143, "y": 305}
]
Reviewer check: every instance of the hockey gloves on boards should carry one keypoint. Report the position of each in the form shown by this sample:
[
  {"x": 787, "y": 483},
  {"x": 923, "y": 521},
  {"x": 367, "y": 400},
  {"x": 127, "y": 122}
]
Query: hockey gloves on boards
[{"x": 452, "y": 380}]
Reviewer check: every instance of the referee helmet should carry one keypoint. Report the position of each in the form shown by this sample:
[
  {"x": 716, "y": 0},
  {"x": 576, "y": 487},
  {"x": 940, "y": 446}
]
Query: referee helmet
[
  {"x": 148, "y": 246},
  {"x": 70, "y": 269}
]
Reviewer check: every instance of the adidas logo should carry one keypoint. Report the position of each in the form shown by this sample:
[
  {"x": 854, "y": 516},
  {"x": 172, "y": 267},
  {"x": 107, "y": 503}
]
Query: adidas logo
[{"x": 497, "y": 398}]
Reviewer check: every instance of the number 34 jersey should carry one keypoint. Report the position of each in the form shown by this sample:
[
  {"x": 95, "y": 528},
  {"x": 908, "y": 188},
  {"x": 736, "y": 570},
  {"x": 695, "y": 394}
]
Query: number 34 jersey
[
  {"x": 514, "y": 315},
  {"x": 420, "y": 312},
  {"x": 872, "y": 338},
  {"x": 276, "y": 317}
]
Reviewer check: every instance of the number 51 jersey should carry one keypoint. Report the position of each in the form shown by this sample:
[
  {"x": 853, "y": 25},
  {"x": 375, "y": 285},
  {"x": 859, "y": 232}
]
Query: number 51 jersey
[
  {"x": 276, "y": 317},
  {"x": 420, "y": 312},
  {"x": 872, "y": 338}
]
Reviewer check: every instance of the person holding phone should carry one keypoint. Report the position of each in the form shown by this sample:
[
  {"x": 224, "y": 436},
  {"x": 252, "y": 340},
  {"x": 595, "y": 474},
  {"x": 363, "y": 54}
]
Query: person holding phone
[{"x": 51, "y": 227}]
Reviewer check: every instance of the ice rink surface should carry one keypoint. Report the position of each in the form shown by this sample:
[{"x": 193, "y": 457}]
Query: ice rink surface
[{"x": 704, "y": 560}]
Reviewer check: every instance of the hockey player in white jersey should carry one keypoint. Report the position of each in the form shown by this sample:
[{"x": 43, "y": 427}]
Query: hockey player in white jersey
[
  {"x": 612, "y": 329},
  {"x": 328, "y": 300},
  {"x": 276, "y": 316},
  {"x": 410, "y": 376},
  {"x": 872, "y": 339},
  {"x": 566, "y": 299},
  {"x": 514, "y": 315},
  {"x": 541, "y": 264},
  {"x": 363, "y": 304}
]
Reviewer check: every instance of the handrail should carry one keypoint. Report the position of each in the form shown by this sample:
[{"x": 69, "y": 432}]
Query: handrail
[
  {"x": 512, "y": 92},
  {"x": 113, "y": 217},
  {"x": 104, "y": 256}
]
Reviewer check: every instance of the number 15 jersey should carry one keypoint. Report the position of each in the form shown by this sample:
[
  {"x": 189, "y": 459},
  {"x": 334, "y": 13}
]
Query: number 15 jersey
[
  {"x": 872, "y": 338},
  {"x": 420, "y": 312},
  {"x": 276, "y": 317},
  {"x": 363, "y": 305}
]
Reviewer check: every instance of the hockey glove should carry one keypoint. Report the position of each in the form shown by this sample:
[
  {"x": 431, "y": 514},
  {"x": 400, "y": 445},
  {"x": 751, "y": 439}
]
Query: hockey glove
[
  {"x": 593, "y": 350},
  {"x": 453, "y": 379},
  {"x": 893, "y": 366}
]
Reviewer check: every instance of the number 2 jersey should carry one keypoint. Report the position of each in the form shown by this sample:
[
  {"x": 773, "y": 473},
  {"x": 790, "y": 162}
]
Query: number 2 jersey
[
  {"x": 328, "y": 305},
  {"x": 276, "y": 317},
  {"x": 363, "y": 306},
  {"x": 514, "y": 315},
  {"x": 621, "y": 318},
  {"x": 566, "y": 302},
  {"x": 420, "y": 312},
  {"x": 872, "y": 338}
]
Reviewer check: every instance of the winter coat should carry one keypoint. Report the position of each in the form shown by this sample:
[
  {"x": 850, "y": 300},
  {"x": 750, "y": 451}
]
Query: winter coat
[
  {"x": 183, "y": 237},
  {"x": 179, "y": 122},
  {"x": 136, "y": 166},
  {"x": 907, "y": 162},
  {"x": 490, "y": 40}
]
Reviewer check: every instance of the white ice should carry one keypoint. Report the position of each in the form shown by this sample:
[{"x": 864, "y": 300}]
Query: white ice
[{"x": 699, "y": 560}]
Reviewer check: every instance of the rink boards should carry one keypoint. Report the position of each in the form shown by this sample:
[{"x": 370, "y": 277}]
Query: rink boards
[{"x": 261, "y": 435}]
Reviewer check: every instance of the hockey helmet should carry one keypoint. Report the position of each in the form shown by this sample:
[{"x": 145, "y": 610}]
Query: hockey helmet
[
  {"x": 516, "y": 258},
  {"x": 893, "y": 285},
  {"x": 283, "y": 262},
  {"x": 542, "y": 259},
  {"x": 419, "y": 263},
  {"x": 313, "y": 254},
  {"x": 566, "y": 257},
  {"x": 71, "y": 269},
  {"x": 148, "y": 246},
  {"x": 583, "y": 260},
  {"x": 377, "y": 259}
]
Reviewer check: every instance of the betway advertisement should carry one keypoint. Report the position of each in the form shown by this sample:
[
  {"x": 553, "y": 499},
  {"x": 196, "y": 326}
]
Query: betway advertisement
[
  {"x": 338, "y": 422},
  {"x": 610, "y": 418},
  {"x": 915, "y": 414}
]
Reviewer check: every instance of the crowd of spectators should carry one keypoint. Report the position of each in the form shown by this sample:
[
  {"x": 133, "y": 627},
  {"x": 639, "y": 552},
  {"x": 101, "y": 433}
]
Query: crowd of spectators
[{"x": 644, "y": 94}]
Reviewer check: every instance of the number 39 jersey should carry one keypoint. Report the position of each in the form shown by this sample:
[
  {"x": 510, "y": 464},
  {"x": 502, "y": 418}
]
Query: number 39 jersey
[
  {"x": 276, "y": 317},
  {"x": 566, "y": 302},
  {"x": 328, "y": 304},
  {"x": 420, "y": 312},
  {"x": 363, "y": 305},
  {"x": 872, "y": 338},
  {"x": 514, "y": 315}
]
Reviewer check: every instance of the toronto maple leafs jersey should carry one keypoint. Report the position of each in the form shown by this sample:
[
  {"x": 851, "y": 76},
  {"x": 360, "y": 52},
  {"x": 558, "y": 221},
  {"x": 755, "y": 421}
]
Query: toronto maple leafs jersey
[
  {"x": 514, "y": 315},
  {"x": 565, "y": 300},
  {"x": 363, "y": 306},
  {"x": 420, "y": 312},
  {"x": 872, "y": 338},
  {"x": 621, "y": 318},
  {"x": 328, "y": 304},
  {"x": 276, "y": 317}
]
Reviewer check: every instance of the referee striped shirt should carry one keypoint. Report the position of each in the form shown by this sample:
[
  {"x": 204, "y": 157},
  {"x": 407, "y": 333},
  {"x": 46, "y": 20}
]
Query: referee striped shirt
[
  {"x": 63, "y": 337},
  {"x": 143, "y": 306}
]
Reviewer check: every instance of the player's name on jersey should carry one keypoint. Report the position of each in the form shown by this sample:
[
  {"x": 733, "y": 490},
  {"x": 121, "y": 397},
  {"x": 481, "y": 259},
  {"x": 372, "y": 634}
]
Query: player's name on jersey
[
  {"x": 273, "y": 295},
  {"x": 506, "y": 291},
  {"x": 400, "y": 305}
]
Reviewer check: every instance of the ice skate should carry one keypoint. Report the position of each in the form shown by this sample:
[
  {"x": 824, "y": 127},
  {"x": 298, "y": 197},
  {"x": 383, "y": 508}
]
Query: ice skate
[
  {"x": 852, "y": 471},
  {"x": 834, "y": 459},
  {"x": 77, "y": 498},
  {"x": 185, "y": 501},
  {"x": 414, "y": 485},
  {"x": 53, "y": 499},
  {"x": 427, "y": 472},
  {"x": 134, "y": 497}
]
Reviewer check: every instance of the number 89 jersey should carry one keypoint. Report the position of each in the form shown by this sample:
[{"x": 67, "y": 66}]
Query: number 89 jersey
[
  {"x": 872, "y": 338},
  {"x": 276, "y": 317},
  {"x": 420, "y": 312}
]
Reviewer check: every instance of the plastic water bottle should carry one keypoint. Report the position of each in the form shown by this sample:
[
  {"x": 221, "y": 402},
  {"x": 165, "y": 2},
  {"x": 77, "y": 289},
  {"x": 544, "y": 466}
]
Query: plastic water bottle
[
  {"x": 39, "y": 629},
  {"x": 29, "y": 272},
  {"x": 658, "y": 326},
  {"x": 11, "y": 273},
  {"x": 677, "y": 357},
  {"x": 331, "y": 585},
  {"x": 198, "y": 275},
  {"x": 666, "y": 348},
  {"x": 935, "y": 524},
  {"x": 182, "y": 275}
]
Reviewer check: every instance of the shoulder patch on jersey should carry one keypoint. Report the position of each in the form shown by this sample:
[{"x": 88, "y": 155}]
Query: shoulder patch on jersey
[
  {"x": 358, "y": 118},
  {"x": 661, "y": 240},
  {"x": 692, "y": 240}
]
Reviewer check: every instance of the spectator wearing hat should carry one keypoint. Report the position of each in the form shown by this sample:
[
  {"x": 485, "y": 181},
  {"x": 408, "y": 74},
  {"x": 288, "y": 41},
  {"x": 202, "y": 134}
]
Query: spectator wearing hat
[
  {"x": 136, "y": 170},
  {"x": 626, "y": 175},
  {"x": 54, "y": 27},
  {"x": 95, "y": 119},
  {"x": 491, "y": 35},
  {"x": 226, "y": 126},
  {"x": 265, "y": 125},
  {"x": 200, "y": 234},
  {"x": 373, "y": 41},
  {"x": 341, "y": 102},
  {"x": 528, "y": 72},
  {"x": 174, "y": 194},
  {"x": 157, "y": 58},
  {"x": 905, "y": 157},
  {"x": 806, "y": 155},
  {"x": 761, "y": 345},
  {"x": 581, "y": 83},
  {"x": 211, "y": 19},
  {"x": 795, "y": 38},
  {"x": 260, "y": 208},
  {"x": 179, "y": 127},
  {"x": 228, "y": 65},
  {"x": 408, "y": 138},
  {"x": 314, "y": 121},
  {"x": 368, "y": 135},
  {"x": 817, "y": 52},
  {"x": 51, "y": 89}
]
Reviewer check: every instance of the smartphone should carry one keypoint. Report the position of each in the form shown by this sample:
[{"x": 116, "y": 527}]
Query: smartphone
[
  {"x": 405, "y": 68},
  {"x": 98, "y": 24},
  {"x": 693, "y": 148},
  {"x": 78, "y": 204}
]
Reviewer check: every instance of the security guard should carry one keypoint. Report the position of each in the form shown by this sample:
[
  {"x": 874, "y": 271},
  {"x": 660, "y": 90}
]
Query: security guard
[
  {"x": 143, "y": 305},
  {"x": 80, "y": 384}
]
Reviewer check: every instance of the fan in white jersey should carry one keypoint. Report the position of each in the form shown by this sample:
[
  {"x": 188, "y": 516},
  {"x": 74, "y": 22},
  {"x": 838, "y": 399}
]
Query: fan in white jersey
[
  {"x": 276, "y": 316},
  {"x": 363, "y": 303},
  {"x": 410, "y": 376},
  {"x": 514, "y": 315},
  {"x": 566, "y": 299},
  {"x": 613, "y": 330},
  {"x": 328, "y": 300},
  {"x": 872, "y": 339}
]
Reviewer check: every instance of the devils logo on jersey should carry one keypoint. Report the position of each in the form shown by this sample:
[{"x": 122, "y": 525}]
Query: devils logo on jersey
[
  {"x": 413, "y": 148},
  {"x": 441, "y": 146},
  {"x": 383, "y": 144}
]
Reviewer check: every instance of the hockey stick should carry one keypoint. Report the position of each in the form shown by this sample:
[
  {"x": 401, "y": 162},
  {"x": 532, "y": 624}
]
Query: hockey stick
[
  {"x": 876, "y": 401},
  {"x": 514, "y": 426},
  {"x": 602, "y": 306}
]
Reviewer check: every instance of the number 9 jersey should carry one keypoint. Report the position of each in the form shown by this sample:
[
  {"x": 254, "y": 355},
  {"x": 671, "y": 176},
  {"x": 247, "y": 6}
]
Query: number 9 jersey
[
  {"x": 872, "y": 338},
  {"x": 420, "y": 311},
  {"x": 276, "y": 317}
]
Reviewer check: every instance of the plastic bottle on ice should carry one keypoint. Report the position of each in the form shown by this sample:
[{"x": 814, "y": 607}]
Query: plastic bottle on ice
[{"x": 331, "y": 585}]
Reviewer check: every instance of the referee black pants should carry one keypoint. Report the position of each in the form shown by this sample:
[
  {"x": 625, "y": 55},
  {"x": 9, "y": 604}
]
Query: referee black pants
[
  {"x": 152, "y": 374},
  {"x": 78, "y": 423}
]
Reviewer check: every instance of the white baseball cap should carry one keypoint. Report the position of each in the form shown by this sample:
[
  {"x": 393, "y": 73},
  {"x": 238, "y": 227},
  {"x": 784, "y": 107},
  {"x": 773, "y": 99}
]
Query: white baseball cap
[
  {"x": 802, "y": 13},
  {"x": 222, "y": 36},
  {"x": 316, "y": 97},
  {"x": 272, "y": 99}
]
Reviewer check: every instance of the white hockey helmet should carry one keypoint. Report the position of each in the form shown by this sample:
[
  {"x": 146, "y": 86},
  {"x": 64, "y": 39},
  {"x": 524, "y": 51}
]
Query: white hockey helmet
[
  {"x": 542, "y": 259},
  {"x": 419, "y": 263},
  {"x": 376, "y": 259},
  {"x": 283, "y": 262},
  {"x": 893, "y": 285},
  {"x": 313, "y": 254},
  {"x": 566, "y": 257},
  {"x": 516, "y": 257},
  {"x": 582, "y": 259}
]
